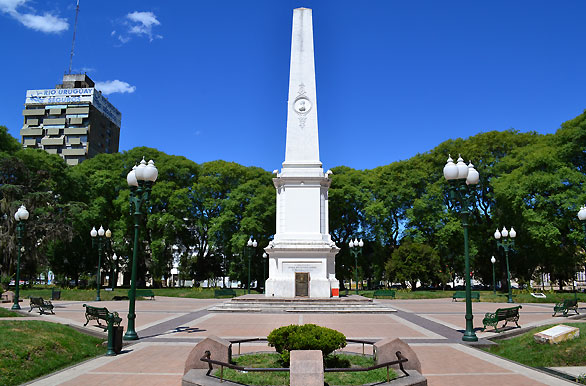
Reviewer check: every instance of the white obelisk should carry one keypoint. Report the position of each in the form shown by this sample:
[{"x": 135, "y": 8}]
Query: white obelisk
[{"x": 302, "y": 253}]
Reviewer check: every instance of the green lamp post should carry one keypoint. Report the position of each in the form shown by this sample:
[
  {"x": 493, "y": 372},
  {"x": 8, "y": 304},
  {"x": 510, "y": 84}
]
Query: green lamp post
[
  {"x": 140, "y": 179},
  {"x": 582, "y": 218},
  {"x": 20, "y": 216},
  {"x": 493, "y": 260},
  {"x": 356, "y": 250},
  {"x": 114, "y": 270},
  {"x": 100, "y": 234},
  {"x": 507, "y": 244},
  {"x": 250, "y": 244},
  {"x": 460, "y": 176}
]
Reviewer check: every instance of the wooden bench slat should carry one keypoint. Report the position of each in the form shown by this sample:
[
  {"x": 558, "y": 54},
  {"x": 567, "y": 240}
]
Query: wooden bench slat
[
  {"x": 97, "y": 313},
  {"x": 510, "y": 314},
  {"x": 462, "y": 295},
  {"x": 144, "y": 293},
  {"x": 565, "y": 306},
  {"x": 41, "y": 304},
  {"x": 224, "y": 292}
]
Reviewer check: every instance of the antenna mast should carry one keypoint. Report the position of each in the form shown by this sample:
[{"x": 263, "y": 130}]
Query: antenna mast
[{"x": 73, "y": 42}]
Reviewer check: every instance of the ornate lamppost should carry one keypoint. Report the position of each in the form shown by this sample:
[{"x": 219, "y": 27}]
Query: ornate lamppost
[
  {"x": 460, "y": 177},
  {"x": 493, "y": 260},
  {"x": 355, "y": 250},
  {"x": 250, "y": 244},
  {"x": 140, "y": 179},
  {"x": 114, "y": 269},
  {"x": 507, "y": 244},
  {"x": 20, "y": 216},
  {"x": 100, "y": 233},
  {"x": 264, "y": 272},
  {"x": 582, "y": 217}
]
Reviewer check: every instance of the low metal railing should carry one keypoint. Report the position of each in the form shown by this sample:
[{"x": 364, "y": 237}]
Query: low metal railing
[
  {"x": 363, "y": 342},
  {"x": 207, "y": 358}
]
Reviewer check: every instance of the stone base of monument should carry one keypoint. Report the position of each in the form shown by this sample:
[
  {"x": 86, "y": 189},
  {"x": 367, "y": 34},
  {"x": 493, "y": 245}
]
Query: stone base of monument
[
  {"x": 557, "y": 334},
  {"x": 306, "y": 367},
  {"x": 260, "y": 303}
]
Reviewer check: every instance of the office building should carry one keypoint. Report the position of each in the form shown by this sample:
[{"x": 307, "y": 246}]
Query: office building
[{"x": 73, "y": 120}]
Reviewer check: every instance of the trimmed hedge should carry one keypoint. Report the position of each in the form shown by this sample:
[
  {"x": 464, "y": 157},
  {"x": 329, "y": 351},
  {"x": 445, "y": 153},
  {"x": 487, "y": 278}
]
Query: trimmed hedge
[{"x": 305, "y": 337}]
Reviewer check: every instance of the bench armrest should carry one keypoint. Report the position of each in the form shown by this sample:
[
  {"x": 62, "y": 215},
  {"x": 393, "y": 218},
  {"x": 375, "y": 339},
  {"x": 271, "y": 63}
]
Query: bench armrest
[{"x": 490, "y": 315}]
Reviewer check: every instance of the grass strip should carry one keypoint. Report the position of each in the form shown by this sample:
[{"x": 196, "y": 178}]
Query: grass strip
[
  {"x": 31, "y": 349},
  {"x": 272, "y": 360},
  {"x": 524, "y": 349},
  {"x": 4, "y": 313},
  {"x": 75, "y": 294},
  {"x": 519, "y": 296}
]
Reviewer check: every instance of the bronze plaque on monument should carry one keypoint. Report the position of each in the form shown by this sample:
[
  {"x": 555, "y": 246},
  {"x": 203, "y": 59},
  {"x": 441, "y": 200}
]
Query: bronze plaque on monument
[{"x": 301, "y": 283}]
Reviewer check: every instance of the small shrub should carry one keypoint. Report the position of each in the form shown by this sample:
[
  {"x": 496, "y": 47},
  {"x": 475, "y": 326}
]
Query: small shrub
[
  {"x": 305, "y": 337},
  {"x": 5, "y": 281}
]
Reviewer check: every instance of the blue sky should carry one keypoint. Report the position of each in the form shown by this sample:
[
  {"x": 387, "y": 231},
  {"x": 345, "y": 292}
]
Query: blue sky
[{"x": 208, "y": 80}]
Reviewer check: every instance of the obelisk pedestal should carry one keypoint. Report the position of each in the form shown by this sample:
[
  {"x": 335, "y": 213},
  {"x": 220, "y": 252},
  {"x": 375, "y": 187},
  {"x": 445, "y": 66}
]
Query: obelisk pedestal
[{"x": 302, "y": 253}]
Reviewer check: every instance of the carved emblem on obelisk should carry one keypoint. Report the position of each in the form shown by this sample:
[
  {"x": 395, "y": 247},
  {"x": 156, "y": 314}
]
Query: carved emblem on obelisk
[{"x": 301, "y": 105}]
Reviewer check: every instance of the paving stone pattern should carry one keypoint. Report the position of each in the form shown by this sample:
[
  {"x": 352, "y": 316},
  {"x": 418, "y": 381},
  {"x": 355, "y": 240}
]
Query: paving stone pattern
[{"x": 170, "y": 327}]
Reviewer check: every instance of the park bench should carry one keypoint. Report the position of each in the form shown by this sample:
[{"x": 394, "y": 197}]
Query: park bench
[
  {"x": 144, "y": 293},
  {"x": 565, "y": 306},
  {"x": 462, "y": 295},
  {"x": 97, "y": 313},
  {"x": 390, "y": 293},
  {"x": 224, "y": 292},
  {"x": 41, "y": 304},
  {"x": 507, "y": 314}
]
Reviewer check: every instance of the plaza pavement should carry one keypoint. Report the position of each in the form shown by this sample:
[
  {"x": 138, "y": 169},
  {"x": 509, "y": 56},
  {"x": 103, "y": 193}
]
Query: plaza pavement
[{"x": 170, "y": 327}]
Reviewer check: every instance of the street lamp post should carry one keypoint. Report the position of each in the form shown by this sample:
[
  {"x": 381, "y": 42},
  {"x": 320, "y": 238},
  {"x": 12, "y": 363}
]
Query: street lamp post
[
  {"x": 507, "y": 244},
  {"x": 582, "y": 218},
  {"x": 460, "y": 177},
  {"x": 100, "y": 233},
  {"x": 355, "y": 250},
  {"x": 493, "y": 260},
  {"x": 264, "y": 272},
  {"x": 114, "y": 269},
  {"x": 250, "y": 244},
  {"x": 20, "y": 216},
  {"x": 140, "y": 179}
]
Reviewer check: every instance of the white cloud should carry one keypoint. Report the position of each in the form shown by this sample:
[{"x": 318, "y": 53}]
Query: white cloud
[
  {"x": 47, "y": 22},
  {"x": 10, "y": 5},
  {"x": 114, "y": 86},
  {"x": 138, "y": 24}
]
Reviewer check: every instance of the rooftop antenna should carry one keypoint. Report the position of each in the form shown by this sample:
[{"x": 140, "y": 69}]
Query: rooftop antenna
[{"x": 73, "y": 42}]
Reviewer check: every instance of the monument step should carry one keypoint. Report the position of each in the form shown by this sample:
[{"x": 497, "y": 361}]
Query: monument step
[{"x": 259, "y": 303}]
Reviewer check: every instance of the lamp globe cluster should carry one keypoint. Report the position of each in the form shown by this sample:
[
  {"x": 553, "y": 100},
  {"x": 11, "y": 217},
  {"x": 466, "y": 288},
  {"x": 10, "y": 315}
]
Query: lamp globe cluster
[
  {"x": 461, "y": 171},
  {"x": 21, "y": 214},
  {"x": 356, "y": 243},
  {"x": 142, "y": 172},
  {"x": 582, "y": 213},
  {"x": 505, "y": 233}
]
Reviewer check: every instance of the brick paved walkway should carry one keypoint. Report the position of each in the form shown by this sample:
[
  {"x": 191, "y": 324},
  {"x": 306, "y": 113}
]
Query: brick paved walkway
[{"x": 170, "y": 327}]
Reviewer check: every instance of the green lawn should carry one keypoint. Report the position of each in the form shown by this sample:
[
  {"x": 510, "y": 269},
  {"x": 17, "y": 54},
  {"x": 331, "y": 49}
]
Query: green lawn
[
  {"x": 519, "y": 296},
  {"x": 4, "y": 313},
  {"x": 90, "y": 294},
  {"x": 525, "y": 350},
  {"x": 30, "y": 349},
  {"x": 271, "y": 360}
]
